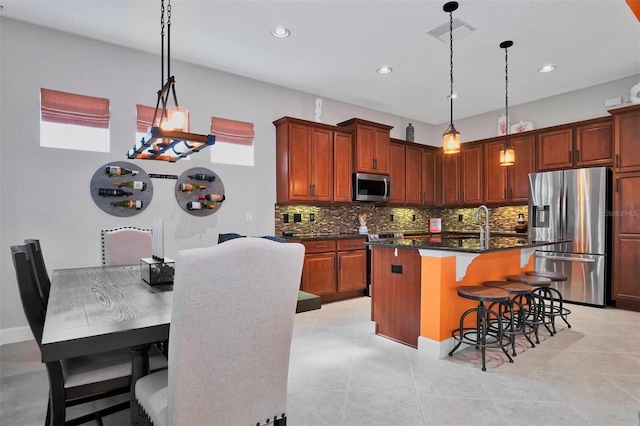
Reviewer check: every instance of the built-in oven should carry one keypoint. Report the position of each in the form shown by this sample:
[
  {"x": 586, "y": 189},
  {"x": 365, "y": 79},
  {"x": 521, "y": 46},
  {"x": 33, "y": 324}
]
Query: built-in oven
[{"x": 386, "y": 236}]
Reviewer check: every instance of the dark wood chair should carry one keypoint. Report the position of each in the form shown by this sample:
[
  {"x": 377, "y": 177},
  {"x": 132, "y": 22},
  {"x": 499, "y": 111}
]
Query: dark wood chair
[
  {"x": 40, "y": 269},
  {"x": 77, "y": 380}
]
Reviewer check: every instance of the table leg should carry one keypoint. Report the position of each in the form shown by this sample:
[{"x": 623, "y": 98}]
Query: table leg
[{"x": 139, "y": 368}]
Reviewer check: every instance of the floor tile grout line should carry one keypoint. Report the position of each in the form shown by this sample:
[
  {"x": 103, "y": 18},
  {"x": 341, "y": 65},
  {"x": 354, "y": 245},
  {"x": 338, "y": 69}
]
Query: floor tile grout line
[{"x": 415, "y": 386}]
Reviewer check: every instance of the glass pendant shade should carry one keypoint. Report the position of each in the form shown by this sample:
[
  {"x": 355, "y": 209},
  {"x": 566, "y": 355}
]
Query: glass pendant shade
[
  {"x": 177, "y": 118},
  {"x": 451, "y": 140},
  {"x": 507, "y": 156}
]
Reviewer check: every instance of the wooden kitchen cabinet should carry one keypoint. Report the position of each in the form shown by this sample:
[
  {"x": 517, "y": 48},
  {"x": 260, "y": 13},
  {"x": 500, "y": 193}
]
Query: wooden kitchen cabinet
[
  {"x": 397, "y": 173},
  {"x": 334, "y": 269},
  {"x": 450, "y": 180},
  {"x": 471, "y": 176},
  {"x": 428, "y": 178},
  {"x": 371, "y": 145},
  {"x": 413, "y": 181},
  {"x": 627, "y": 139},
  {"x": 313, "y": 162},
  {"x": 508, "y": 184},
  {"x": 584, "y": 144}
]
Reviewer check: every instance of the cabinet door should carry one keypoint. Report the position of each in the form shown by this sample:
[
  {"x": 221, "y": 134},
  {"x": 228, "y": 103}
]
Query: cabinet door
[
  {"x": 365, "y": 149},
  {"x": 518, "y": 175},
  {"x": 342, "y": 159},
  {"x": 413, "y": 181},
  {"x": 471, "y": 174},
  {"x": 397, "y": 173},
  {"x": 495, "y": 176},
  {"x": 594, "y": 144},
  {"x": 428, "y": 177},
  {"x": 321, "y": 164},
  {"x": 319, "y": 273},
  {"x": 300, "y": 179},
  {"x": 626, "y": 237},
  {"x": 555, "y": 149},
  {"x": 627, "y": 141},
  {"x": 450, "y": 179},
  {"x": 381, "y": 151},
  {"x": 352, "y": 270}
]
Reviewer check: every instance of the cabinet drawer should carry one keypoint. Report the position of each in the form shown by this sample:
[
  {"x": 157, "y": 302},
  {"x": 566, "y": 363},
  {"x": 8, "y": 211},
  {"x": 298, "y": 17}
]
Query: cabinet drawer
[
  {"x": 319, "y": 246},
  {"x": 353, "y": 244}
]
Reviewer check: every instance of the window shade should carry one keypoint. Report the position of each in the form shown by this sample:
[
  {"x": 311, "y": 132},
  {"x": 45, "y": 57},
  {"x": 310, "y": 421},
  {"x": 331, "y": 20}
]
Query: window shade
[
  {"x": 144, "y": 117},
  {"x": 69, "y": 108},
  {"x": 232, "y": 131}
]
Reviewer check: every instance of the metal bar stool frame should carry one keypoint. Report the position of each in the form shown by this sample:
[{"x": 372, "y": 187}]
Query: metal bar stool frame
[
  {"x": 553, "y": 295},
  {"x": 542, "y": 312}
]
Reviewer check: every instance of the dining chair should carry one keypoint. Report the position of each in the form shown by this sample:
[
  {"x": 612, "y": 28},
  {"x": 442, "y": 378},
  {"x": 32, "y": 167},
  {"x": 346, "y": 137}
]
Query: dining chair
[
  {"x": 230, "y": 336},
  {"x": 39, "y": 268},
  {"x": 126, "y": 245},
  {"x": 78, "y": 380}
]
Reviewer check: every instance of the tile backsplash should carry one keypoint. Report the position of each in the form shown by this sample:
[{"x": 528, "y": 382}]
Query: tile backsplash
[{"x": 344, "y": 219}]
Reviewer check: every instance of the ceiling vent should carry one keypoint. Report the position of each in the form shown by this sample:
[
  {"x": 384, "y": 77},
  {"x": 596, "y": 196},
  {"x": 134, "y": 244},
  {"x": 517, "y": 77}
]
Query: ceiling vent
[{"x": 460, "y": 29}]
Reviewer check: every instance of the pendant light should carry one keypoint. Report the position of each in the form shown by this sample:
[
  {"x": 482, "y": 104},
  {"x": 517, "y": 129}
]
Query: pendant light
[
  {"x": 451, "y": 137},
  {"x": 507, "y": 153},
  {"x": 168, "y": 138}
]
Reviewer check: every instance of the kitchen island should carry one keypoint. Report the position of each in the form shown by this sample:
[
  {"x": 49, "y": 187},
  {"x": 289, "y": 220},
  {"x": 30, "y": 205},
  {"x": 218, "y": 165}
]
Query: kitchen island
[{"x": 414, "y": 282}]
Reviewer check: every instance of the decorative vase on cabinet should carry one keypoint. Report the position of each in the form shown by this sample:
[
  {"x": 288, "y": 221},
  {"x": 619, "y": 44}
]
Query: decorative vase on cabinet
[{"x": 410, "y": 133}]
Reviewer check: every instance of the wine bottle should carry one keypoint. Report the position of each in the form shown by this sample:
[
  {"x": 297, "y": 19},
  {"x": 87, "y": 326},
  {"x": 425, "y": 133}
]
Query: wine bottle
[
  {"x": 128, "y": 204},
  {"x": 198, "y": 205},
  {"x": 133, "y": 184},
  {"x": 202, "y": 176},
  {"x": 212, "y": 197},
  {"x": 191, "y": 187},
  {"x": 119, "y": 171},
  {"x": 108, "y": 192}
]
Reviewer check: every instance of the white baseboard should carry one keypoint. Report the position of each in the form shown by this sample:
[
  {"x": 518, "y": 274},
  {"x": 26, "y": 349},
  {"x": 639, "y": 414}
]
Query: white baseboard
[
  {"x": 434, "y": 349},
  {"x": 16, "y": 334}
]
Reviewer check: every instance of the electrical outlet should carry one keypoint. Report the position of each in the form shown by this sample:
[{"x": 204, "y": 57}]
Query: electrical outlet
[
  {"x": 312, "y": 217},
  {"x": 413, "y": 218},
  {"x": 396, "y": 269},
  {"x": 249, "y": 217},
  {"x": 391, "y": 217},
  {"x": 459, "y": 218},
  {"x": 285, "y": 218},
  {"x": 297, "y": 217}
]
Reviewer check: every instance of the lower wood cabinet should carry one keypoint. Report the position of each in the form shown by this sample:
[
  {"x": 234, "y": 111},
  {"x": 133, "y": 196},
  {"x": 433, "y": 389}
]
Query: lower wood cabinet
[{"x": 334, "y": 268}]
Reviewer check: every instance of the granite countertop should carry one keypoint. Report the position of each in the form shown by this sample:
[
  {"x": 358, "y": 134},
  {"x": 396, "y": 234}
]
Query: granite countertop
[
  {"x": 464, "y": 244},
  {"x": 309, "y": 237}
]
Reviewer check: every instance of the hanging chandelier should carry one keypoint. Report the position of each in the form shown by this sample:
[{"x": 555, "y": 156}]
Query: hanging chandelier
[
  {"x": 168, "y": 138},
  {"x": 451, "y": 137},
  {"x": 507, "y": 153}
]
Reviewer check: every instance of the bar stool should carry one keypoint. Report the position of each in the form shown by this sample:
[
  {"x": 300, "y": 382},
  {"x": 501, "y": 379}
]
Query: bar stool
[
  {"x": 516, "y": 310},
  {"x": 555, "y": 277},
  {"x": 483, "y": 335},
  {"x": 544, "y": 312}
]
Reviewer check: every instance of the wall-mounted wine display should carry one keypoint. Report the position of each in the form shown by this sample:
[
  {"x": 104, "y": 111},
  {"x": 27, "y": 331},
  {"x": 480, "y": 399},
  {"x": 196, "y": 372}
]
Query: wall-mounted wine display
[
  {"x": 121, "y": 189},
  {"x": 199, "y": 191}
]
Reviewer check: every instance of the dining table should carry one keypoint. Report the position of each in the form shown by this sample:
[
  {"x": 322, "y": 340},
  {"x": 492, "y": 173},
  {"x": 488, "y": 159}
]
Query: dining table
[{"x": 101, "y": 308}]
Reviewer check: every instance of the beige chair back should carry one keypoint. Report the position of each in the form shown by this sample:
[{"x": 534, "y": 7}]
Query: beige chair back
[{"x": 126, "y": 245}]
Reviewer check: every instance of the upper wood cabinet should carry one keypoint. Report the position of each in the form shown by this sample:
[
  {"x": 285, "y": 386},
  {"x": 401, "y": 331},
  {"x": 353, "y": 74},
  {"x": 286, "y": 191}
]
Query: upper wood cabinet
[
  {"x": 429, "y": 176},
  {"x": 584, "y": 144},
  {"x": 450, "y": 180},
  {"x": 306, "y": 168},
  {"x": 413, "y": 180},
  {"x": 510, "y": 184},
  {"x": 397, "y": 168},
  {"x": 371, "y": 145},
  {"x": 471, "y": 177},
  {"x": 627, "y": 138}
]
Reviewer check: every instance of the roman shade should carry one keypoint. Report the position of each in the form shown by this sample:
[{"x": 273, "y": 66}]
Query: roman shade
[
  {"x": 70, "y": 108},
  {"x": 232, "y": 131},
  {"x": 144, "y": 118}
]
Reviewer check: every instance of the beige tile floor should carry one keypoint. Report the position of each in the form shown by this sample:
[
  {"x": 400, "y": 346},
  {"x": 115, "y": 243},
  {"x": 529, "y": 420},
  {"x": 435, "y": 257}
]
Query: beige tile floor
[{"x": 341, "y": 373}]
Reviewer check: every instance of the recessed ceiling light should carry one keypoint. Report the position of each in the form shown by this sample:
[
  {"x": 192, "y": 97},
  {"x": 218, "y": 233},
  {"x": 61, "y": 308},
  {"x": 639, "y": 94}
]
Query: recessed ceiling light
[
  {"x": 385, "y": 70},
  {"x": 547, "y": 68},
  {"x": 280, "y": 32},
  {"x": 453, "y": 96}
]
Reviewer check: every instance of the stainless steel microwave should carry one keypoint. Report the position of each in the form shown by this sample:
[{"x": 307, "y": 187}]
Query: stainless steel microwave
[{"x": 371, "y": 187}]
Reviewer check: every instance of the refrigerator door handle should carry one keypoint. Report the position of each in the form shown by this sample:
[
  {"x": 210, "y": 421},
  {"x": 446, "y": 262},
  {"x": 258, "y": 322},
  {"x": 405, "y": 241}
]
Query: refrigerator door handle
[{"x": 570, "y": 259}]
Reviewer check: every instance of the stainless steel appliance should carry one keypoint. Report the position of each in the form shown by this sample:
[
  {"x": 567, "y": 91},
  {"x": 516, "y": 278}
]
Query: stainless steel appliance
[
  {"x": 371, "y": 187},
  {"x": 378, "y": 237},
  {"x": 573, "y": 205}
]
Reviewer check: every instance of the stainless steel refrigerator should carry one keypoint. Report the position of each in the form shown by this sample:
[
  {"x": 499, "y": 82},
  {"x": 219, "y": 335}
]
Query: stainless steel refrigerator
[{"x": 573, "y": 205}]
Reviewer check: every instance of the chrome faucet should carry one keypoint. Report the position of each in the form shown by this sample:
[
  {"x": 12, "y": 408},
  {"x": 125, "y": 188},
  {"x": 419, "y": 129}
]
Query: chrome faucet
[{"x": 484, "y": 229}]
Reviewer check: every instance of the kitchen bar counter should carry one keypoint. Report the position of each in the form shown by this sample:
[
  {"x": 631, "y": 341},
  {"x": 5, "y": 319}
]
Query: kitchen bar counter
[
  {"x": 311, "y": 237},
  {"x": 463, "y": 244}
]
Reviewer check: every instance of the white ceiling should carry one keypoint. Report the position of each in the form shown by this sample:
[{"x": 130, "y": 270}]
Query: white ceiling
[{"x": 336, "y": 46}]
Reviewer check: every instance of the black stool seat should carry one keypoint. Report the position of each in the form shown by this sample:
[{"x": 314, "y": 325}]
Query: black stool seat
[
  {"x": 553, "y": 276},
  {"x": 488, "y": 331},
  {"x": 531, "y": 280},
  {"x": 483, "y": 294},
  {"x": 511, "y": 287}
]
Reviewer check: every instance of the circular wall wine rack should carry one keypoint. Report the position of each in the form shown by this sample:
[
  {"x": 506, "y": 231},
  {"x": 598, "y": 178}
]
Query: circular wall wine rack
[
  {"x": 121, "y": 194},
  {"x": 199, "y": 191}
]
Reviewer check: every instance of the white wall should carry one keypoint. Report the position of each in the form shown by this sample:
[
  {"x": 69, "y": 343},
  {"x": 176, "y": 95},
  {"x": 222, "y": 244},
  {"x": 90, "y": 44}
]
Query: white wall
[{"x": 44, "y": 192}]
